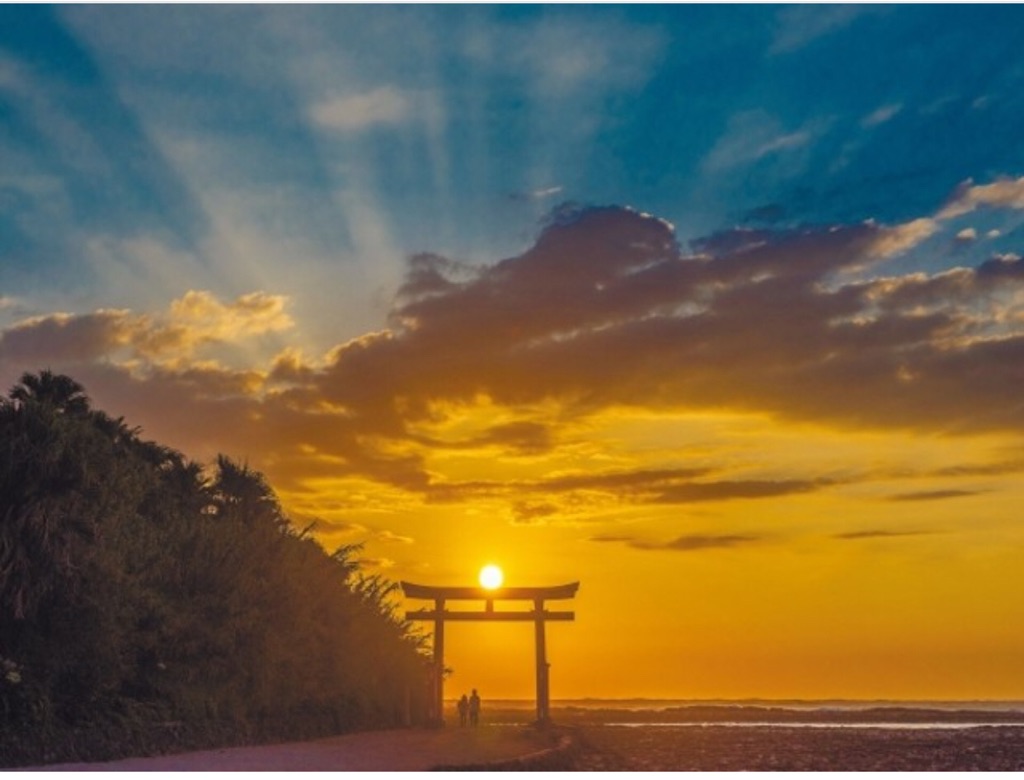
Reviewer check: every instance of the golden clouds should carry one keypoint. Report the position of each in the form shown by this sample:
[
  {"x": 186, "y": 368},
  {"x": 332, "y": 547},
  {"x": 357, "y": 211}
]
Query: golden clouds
[
  {"x": 120, "y": 336},
  {"x": 900, "y": 238},
  {"x": 492, "y": 378},
  {"x": 198, "y": 319},
  {"x": 206, "y": 318},
  {"x": 502, "y": 384},
  {"x": 1002, "y": 193}
]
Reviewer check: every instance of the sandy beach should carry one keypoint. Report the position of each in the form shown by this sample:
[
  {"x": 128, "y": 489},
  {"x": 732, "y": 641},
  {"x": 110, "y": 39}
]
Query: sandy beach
[
  {"x": 596, "y": 747},
  {"x": 716, "y": 748}
]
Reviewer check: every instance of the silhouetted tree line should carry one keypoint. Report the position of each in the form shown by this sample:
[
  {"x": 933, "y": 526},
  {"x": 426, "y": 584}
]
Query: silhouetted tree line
[{"x": 148, "y": 604}]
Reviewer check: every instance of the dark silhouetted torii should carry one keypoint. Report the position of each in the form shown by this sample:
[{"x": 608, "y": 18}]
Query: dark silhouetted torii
[{"x": 538, "y": 615}]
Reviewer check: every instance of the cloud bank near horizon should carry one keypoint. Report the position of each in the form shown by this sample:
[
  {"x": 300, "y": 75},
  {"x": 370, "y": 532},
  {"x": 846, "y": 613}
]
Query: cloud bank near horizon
[{"x": 605, "y": 312}]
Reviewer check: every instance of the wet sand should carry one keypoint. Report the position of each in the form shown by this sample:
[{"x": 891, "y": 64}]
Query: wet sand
[{"x": 779, "y": 748}]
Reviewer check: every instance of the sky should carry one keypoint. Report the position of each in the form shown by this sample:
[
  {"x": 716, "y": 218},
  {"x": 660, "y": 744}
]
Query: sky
[{"x": 717, "y": 310}]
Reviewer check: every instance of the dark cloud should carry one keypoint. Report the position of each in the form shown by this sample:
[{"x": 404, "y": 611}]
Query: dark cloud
[
  {"x": 934, "y": 495},
  {"x": 1011, "y": 465},
  {"x": 1003, "y": 266},
  {"x": 666, "y": 486},
  {"x": 687, "y": 543},
  {"x": 62, "y": 338},
  {"x": 528, "y": 437},
  {"x": 605, "y": 312},
  {"x": 634, "y": 485},
  {"x": 731, "y": 489},
  {"x": 877, "y": 534},
  {"x": 521, "y": 437},
  {"x": 527, "y": 512},
  {"x": 700, "y": 542},
  {"x": 657, "y": 480}
]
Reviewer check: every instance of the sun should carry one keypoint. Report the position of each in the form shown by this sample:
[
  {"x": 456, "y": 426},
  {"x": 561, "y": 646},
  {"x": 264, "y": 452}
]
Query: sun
[{"x": 491, "y": 577}]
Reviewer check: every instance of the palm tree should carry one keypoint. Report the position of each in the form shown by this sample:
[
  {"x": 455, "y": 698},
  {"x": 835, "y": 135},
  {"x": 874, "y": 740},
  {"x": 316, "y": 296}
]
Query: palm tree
[
  {"x": 243, "y": 494},
  {"x": 60, "y": 392}
]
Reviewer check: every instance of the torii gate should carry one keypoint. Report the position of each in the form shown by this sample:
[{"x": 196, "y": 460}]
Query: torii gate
[{"x": 538, "y": 615}]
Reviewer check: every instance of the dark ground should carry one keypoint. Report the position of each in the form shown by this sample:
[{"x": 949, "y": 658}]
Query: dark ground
[
  {"x": 503, "y": 741},
  {"x": 780, "y": 748}
]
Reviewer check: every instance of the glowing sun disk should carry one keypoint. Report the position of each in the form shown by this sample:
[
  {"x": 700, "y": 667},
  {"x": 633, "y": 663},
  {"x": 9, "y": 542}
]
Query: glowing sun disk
[{"x": 491, "y": 577}]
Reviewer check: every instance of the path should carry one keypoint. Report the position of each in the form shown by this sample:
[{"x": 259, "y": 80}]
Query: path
[{"x": 400, "y": 750}]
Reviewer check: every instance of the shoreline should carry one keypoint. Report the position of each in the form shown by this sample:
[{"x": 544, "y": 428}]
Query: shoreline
[
  {"x": 769, "y": 714},
  {"x": 580, "y": 741}
]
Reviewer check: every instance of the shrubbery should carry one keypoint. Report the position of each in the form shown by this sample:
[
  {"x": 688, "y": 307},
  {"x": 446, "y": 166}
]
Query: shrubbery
[{"x": 146, "y": 604}]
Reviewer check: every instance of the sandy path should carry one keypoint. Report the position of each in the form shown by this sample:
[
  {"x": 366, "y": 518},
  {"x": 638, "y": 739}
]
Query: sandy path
[{"x": 402, "y": 750}]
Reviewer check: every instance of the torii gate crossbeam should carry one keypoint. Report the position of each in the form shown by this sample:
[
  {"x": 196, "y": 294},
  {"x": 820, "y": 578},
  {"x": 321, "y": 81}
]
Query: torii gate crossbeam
[{"x": 538, "y": 615}]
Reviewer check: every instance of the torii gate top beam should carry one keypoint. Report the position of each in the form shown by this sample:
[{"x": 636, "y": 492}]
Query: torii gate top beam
[{"x": 556, "y": 592}]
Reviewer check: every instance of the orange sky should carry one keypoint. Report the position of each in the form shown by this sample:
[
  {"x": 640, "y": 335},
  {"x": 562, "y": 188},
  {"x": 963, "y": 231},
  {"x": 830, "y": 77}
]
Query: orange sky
[
  {"x": 778, "y": 466},
  {"x": 897, "y": 581}
]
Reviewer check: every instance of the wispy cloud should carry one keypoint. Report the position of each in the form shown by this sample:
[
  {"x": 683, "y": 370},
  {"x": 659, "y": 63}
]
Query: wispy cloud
[
  {"x": 686, "y": 543},
  {"x": 877, "y": 533},
  {"x": 391, "y": 536},
  {"x": 1003, "y": 193},
  {"x": 798, "y": 26},
  {"x": 751, "y": 136},
  {"x": 567, "y": 54},
  {"x": 355, "y": 112},
  {"x": 640, "y": 486},
  {"x": 933, "y": 495},
  {"x": 541, "y": 193},
  {"x": 881, "y": 115},
  {"x": 897, "y": 239}
]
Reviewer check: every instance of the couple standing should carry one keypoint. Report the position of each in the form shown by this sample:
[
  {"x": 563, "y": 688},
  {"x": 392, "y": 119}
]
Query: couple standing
[{"x": 469, "y": 707}]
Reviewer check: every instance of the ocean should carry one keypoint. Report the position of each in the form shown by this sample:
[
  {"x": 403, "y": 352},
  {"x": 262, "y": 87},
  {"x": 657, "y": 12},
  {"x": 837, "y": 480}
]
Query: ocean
[{"x": 823, "y": 714}]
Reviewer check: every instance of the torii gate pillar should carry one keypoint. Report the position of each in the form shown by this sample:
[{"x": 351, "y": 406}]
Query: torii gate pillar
[
  {"x": 539, "y": 615},
  {"x": 543, "y": 692},
  {"x": 439, "y": 661}
]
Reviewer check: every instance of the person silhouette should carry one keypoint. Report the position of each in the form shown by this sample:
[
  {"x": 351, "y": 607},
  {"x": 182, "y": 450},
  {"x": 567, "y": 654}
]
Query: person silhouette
[
  {"x": 474, "y": 709},
  {"x": 463, "y": 709}
]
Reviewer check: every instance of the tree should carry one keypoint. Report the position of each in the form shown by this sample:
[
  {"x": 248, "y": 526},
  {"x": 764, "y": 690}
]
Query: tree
[
  {"x": 135, "y": 583},
  {"x": 62, "y": 393}
]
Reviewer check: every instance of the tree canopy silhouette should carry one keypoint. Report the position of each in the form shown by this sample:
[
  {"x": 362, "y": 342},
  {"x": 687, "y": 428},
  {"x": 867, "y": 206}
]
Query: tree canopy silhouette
[{"x": 139, "y": 589}]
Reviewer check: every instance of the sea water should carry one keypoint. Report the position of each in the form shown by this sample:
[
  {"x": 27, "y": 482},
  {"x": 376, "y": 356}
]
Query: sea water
[
  {"x": 814, "y": 725},
  {"x": 801, "y": 714}
]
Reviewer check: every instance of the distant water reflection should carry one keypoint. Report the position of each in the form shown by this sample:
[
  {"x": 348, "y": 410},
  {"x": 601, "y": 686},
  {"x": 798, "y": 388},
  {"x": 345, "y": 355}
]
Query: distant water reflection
[{"x": 812, "y": 725}]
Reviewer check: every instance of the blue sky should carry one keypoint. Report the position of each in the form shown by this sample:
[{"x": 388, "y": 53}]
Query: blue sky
[{"x": 349, "y": 136}]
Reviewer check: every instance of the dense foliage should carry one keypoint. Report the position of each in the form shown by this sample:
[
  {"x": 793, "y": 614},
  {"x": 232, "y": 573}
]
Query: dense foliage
[{"x": 147, "y": 603}]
